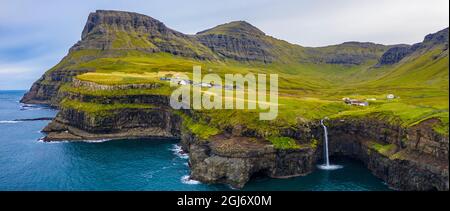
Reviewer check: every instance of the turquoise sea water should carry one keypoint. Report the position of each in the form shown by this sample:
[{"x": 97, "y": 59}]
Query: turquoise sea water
[{"x": 29, "y": 164}]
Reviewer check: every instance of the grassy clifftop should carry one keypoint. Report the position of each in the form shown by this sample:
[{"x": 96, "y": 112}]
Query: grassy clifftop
[
  {"x": 310, "y": 96},
  {"x": 120, "y": 48}
]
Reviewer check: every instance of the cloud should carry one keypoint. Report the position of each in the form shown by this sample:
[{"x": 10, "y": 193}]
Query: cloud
[{"x": 34, "y": 36}]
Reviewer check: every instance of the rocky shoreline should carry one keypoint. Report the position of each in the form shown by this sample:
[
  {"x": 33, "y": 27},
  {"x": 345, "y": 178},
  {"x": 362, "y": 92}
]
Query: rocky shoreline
[{"x": 406, "y": 159}]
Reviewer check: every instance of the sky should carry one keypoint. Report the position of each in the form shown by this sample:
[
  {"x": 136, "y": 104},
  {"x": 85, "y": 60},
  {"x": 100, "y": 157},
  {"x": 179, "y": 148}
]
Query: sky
[{"x": 36, "y": 35}]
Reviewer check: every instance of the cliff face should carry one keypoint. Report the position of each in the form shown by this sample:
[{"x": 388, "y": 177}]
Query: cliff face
[
  {"x": 71, "y": 124},
  {"x": 154, "y": 120},
  {"x": 45, "y": 90},
  {"x": 239, "y": 41},
  {"x": 105, "y": 30},
  {"x": 113, "y": 33},
  {"x": 348, "y": 53},
  {"x": 438, "y": 40},
  {"x": 234, "y": 160},
  {"x": 397, "y": 156},
  {"x": 415, "y": 158},
  {"x": 394, "y": 55},
  {"x": 110, "y": 34},
  {"x": 407, "y": 159}
]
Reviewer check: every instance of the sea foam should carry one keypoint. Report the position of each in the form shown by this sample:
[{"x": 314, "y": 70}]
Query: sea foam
[
  {"x": 8, "y": 122},
  {"x": 178, "y": 151},
  {"x": 186, "y": 179}
]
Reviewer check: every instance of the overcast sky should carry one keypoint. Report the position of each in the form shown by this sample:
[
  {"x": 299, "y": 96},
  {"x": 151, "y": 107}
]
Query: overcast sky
[{"x": 35, "y": 35}]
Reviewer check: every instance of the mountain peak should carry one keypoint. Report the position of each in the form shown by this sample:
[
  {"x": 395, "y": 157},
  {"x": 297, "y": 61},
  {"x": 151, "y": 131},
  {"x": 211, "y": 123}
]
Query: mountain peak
[
  {"x": 431, "y": 41},
  {"x": 101, "y": 19},
  {"x": 440, "y": 37},
  {"x": 233, "y": 28}
]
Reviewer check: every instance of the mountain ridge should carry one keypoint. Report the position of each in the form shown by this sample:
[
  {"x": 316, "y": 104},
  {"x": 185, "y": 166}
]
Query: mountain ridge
[
  {"x": 395, "y": 54},
  {"x": 238, "y": 40},
  {"x": 115, "y": 33}
]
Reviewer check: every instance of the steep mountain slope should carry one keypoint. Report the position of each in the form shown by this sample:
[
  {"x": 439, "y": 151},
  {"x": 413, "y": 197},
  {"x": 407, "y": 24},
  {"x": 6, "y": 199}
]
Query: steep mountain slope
[
  {"x": 109, "y": 86},
  {"x": 348, "y": 53},
  {"x": 106, "y": 30},
  {"x": 242, "y": 41},
  {"x": 423, "y": 64},
  {"x": 112, "y": 39},
  {"x": 117, "y": 33},
  {"x": 431, "y": 41}
]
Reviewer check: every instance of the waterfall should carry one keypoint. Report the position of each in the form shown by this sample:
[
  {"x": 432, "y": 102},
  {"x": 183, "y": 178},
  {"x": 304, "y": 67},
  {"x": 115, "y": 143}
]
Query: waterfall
[
  {"x": 325, "y": 136},
  {"x": 326, "y": 165}
]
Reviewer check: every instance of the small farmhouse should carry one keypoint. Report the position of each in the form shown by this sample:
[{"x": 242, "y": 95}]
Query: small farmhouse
[{"x": 349, "y": 101}]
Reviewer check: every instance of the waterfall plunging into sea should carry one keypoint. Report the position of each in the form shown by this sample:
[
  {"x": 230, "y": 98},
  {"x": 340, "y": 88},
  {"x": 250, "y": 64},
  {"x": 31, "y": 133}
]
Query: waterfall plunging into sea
[
  {"x": 326, "y": 165},
  {"x": 325, "y": 137}
]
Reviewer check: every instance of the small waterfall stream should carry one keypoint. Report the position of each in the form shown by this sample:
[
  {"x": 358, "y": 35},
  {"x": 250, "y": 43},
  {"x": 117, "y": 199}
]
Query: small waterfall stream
[
  {"x": 326, "y": 165},
  {"x": 325, "y": 134}
]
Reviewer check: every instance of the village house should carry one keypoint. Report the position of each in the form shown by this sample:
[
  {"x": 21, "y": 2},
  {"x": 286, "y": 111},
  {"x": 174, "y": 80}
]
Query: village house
[
  {"x": 390, "y": 96},
  {"x": 184, "y": 82},
  {"x": 165, "y": 79},
  {"x": 349, "y": 101}
]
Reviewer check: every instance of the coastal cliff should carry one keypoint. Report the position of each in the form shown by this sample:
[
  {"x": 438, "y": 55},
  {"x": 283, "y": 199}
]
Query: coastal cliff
[
  {"x": 113, "y": 85},
  {"x": 397, "y": 158}
]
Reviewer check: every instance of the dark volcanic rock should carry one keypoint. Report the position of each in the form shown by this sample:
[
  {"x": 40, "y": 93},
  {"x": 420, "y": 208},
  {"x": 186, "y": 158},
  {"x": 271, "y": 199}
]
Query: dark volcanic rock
[
  {"x": 234, "y": 160},
  {"x": 238, "y": 40},
  {"x": 431, "y": 41},
  {"x": 72, "y": 124},
  {"x": 394, "y": 55},
  {"x": 105, "y": 27},
  {"x": 348, "y": 53},
  {"x": 415, "y": 159}
]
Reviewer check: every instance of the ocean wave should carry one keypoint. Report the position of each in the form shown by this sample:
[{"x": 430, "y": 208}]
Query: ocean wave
[
  {"x": 178, "y": 151},
  {"x": 186, "y": 179},
  {"x": 41, "y": 140},
  {"x": 96, "y": 141},
  {"x": 27, "y": 107},
  {"x": 8, "y": 121}
]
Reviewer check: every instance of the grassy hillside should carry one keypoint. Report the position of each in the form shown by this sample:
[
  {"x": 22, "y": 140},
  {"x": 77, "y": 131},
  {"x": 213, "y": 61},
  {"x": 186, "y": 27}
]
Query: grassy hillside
[
  {"x": 129, "y": 48},
  {"x": 308, "y": 92}
]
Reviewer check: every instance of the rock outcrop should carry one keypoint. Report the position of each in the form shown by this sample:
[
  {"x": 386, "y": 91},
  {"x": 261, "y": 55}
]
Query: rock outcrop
[
  {"x": 106, "y": 30},
  {"x": 71, "y": 124},
  {"x": 111, "y": 33},
  {"x": 156, "y": 120},
  {"x": 431, "y": 41},
  {"x": 394, "y": 55},
  {"x": 239, "y": 41},
  {"x": 235, "y": 160},
  {"x": 407, "y": 159},
  {"x": 348, "y": 53},
  {"x": 414, "y": 158}
]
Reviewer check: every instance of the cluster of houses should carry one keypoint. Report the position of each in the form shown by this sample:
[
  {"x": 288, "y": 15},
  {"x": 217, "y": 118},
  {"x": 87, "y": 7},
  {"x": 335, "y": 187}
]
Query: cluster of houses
[
  {"x": 190, "y": 82},
  {"x": 355, "y": 102}
]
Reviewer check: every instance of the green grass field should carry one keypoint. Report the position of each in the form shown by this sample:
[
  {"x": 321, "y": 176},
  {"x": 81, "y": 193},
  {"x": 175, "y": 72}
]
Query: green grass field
[{"x": 307, "y": 92}]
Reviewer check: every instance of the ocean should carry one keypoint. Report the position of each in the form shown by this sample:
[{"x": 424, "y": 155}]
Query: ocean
[{"x": 27, "y": 163}]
